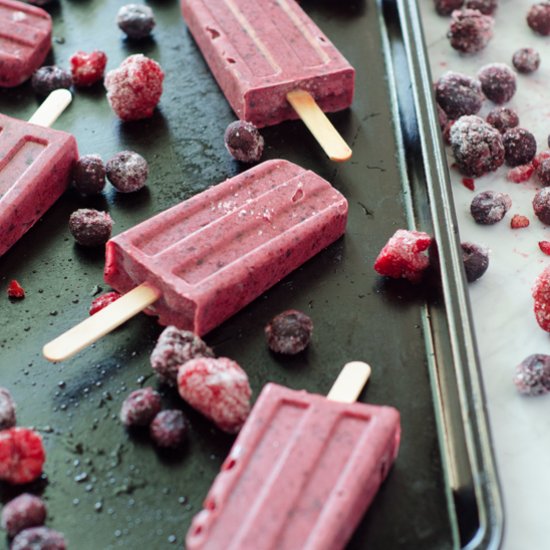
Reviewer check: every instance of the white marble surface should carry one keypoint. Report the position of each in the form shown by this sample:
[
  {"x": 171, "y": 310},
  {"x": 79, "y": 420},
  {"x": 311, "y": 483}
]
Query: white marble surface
[{"x": 505, "y": 325}]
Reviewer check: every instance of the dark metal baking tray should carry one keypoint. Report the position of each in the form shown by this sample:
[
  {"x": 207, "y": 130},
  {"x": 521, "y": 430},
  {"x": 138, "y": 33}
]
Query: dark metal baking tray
[{"x": 107, "y": 489}]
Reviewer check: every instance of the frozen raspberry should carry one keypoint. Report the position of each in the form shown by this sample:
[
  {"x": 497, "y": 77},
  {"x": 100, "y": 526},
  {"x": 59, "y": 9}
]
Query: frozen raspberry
[
  {"x": 477, "y": 146},
  {"x": 7, "y": 410},
  {"x": 87, "y": 68},
  {"x": 519, "y": 222},
  {"x": 174, "y": 348},
  {"x": 538, "y": 18},
  {"x": 545, "y": 247},
  {"x": 289, "y": 332},
  {"x": 15, "y": 290},
  {"x": 89, "y": 174},
  {"x": 458, "y": 94},
  {"x": 446, "y": 7},
  {"x": 486, "y": 7},
  {"x": 476, "y": 260},
  {"x": 541, "y": 205},
  {"x": 90, "y": 227},
  {"x": 23, "y": 512},
  {"x": 526, "y": 60},
  {"x": 50, "y": 78},
  {"x": 136, "y": 20},
  {"x": 134, "y": 89},
  {"x": 243, "y": 141},
  {"x": 39, "y": 538},
  {"x": 403, "y": 256},
  {"x": 519, "y": 174},
  {"x": 543, "y": 171},
  {"x": 218, "y": 388},
  {"x": 140, "y": 407},
  {"x": 127, "y": 171},
  {"x": 103, "y": 301},
  {"x": 520, "y": 146},
  {"x": 21, "y": 455},
  {"x": 169, "y": 428},
  {"x": 470, "y": 30},
  {"x": 489, "y": 207},
  {"x": 498, "y": 82},
  {"x": 503, "y": 118},
  {"x": 533, "y": 375}
]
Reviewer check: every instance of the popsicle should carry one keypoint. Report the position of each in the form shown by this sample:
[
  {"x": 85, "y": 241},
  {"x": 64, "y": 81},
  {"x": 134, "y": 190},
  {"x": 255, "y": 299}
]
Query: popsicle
[
  {"x": 302, "y": 471},
  {"x": 273, "y": 64},
  {"x": 25, "y": 40},
  {"x": 201, "y": 261},
  {"x": 35, "y": 167}
]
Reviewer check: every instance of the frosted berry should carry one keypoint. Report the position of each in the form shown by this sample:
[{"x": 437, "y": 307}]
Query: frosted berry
[
  {"x": 470, "y": 30},
  {"x": 458, "y": 94},
  {"x": 87, "y": 68},
  {"x": 136, "y": 20},
  {"x": 140, "y": 407},
  {"x": 486, "y": 7},
  {"x": 538, "y": 18},
  {"x": 498, "y": 82},
  {"x": 520, "y": 146},
  {"x": 127, "y": 171},
  {"x": 489, "y": 207},
  {"x": 103, "y": 301},
  {"x": 90, "y": 227},
  {"x": 22, "y": 455},
  {"x": 503, "y": 118},
  {"x": 89, "y": 174},
  {"x": 543, "y": 171},
  {"x": 526, "y": 60},
  {"x": 476, "y": 260},
  {"x": 289, "y": 332},
  {"x": 243, "y": 141},
  {"x": 50, "y": 78},
  {"x": 23, "y": 512},
  {"x": 169, "y": 428},
  {"x": 7, "y": 410},
  {"x": 15, "y": 290},
  {"x": 541, "y": 205},
  {"x": 522, "y": 173},
  {"x": 533, "y": 375},
  {"x": 39, "y": 538},
  {"x": 446, "y": 7}
]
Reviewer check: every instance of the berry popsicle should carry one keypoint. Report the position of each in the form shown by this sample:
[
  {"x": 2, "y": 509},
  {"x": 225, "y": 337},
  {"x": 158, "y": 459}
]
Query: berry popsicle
[
  {"x": 203, "y": 260},
  {"x": 25, "y": 40},
  {"x": 302, "y": 471},
  {"x": 273, "y": 64}
]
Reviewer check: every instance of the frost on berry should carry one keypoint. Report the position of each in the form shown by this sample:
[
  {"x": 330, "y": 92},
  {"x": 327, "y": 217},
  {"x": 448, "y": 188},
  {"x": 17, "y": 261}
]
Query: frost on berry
[
  {"x": 533, "y": 375},
  {"x": 458, "y": 94},
  {"x": 23, "y": 512},
  {"x": 289, "y": 332},
  {"x": 476, "y": 260},
  {"x": 541, "y": 296},
  {"x": 470, "y": 30},
  {"x": 489, "y": 207},
  {"x": 140, "y": 407}
]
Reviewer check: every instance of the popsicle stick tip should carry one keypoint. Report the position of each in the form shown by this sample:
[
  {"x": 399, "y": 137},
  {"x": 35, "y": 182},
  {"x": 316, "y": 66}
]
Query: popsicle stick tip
[
  {"x": 52, "y": 107},
  {"x": 350, "y": 382}
]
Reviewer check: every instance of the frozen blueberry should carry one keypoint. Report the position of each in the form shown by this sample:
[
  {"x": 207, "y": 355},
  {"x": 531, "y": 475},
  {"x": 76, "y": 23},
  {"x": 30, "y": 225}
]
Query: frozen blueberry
[
  {"x": 520, "y": 146},
  {"x": 533, "y": 375},
  {"x": 7, "y": 410},
  {"x": 289, "y": 332},
  {"x": 470, "y": 30},
  {"x": 498, "y": 82},
  {"x": 169, "y": 428},
  {"x": 543, "y": 171},
  {"x": 243, "y": 141},
  {"x": 458, "y": 94},
  {"x": 50, "y": 78},
  {"x": 489, "y": 207},
  {"x": 127, "y": 171},
  {"x": 90, "y": 227},
  {"x": 476, "y": 260},
  {"x": 23, "y": 512},
  {"x": 89, "y": 174},
  {"x": 446, "y": 7},
  {"x": 526, "y": 60},
  {"x": 538, "y": 18},
  {"x": 503, "y": 118},
  {"x": 477, "y": 146},
  {"x": 486, "y": 7},
  {"x": 541, "y": 205},
  {"x": 140, "y": 407},
  {"x": 136, "y": 20}
]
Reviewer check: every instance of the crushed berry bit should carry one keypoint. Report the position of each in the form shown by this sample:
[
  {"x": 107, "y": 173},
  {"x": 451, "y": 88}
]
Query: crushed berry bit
[
  {"x": 15, "y": 290},
  {"x": 489, "y": 207},
  {"x": 7, "y": 410},
  {"x": 136, "y": 20},
  {"x": 103, "y": 301},
  {"x": 218, "y": 388},
  {"x": 545, "y": 247},
  {"x": 533, "y": 375},
  {"x": 169, "y": 428},
  {"x": 486, "y": 7},
  {"x": 519, "y": 174},
  {"x": 127, "y": 171},
  {"x": 90, "y": 227},
  {"x": 39, "y": 538},
  {"x": 543, "y": 155},
  {"x": 503, "y": 118},
  {"x": 526, "y": 60},
  {"x": 289, "y": 332},
  {"x": 498, "y": 82},
  {"x": 243, "y": 141},
  {"x": 22, "y": 455},
  {"x": 469, "y": 183},
  {"x": 87, "y": 68},
  {"x": 446, "y": 7},
  {"x": 520, "y": 146},
  {"x": 538, "y": 18},
  {"x": 458, "y": 94},
  {"x": 476, "y": 260},
  {"x": 470, "y": 30},
  {"x": 519, "y": 222},
  {"x": 403, "y": 256},
  {"x": 140, "y": 407},
  {"x": 89, "y": 174},
  {"x": 543, "y": 171},
  {"x": 174, "y": 348},
  {"x": 23, "y": 512},
  {"x": 541, "y": 205},
  {"x": 134, "y": 88},
  {"x": 49, "y": 78},
  {"x": 477, "y": 146}
]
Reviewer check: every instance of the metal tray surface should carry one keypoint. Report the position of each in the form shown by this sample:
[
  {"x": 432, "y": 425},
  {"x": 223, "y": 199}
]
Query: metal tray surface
[{"x": 106, "y": 488}]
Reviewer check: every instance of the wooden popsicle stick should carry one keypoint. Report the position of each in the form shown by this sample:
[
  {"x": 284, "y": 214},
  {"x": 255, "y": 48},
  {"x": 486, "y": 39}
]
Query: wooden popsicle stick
[
  {"x": 51, "y": 108},
  {"x": 319, "y": 125},
  {"x": 350, "y": 382},
  {"x": 101, "y": 323}
]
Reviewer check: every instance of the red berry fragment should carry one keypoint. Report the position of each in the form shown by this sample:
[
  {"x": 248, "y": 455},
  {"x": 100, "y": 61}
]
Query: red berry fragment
[
  {"x": 519, "y": 222},
  {"x": 545, "y": 247},
  {"x": 526, "y": 60},
  {"x": 533, "y": 375},
  {"x": 169, "y": 429},
  {"x": 39, "y": 538},
  {"x": 538, "y": 18},
  {"x": 469, "y": 183},
  {"x": 103, "y": 301},
  {"x": 470, "y": 30},
  {"x": 22, "y": 455},
  {"x": 7, "y": 410},
  {"x": 289, "y": 332},
  {"x": 519, "y": 174},
  {"x": 23, "y": 512},
  {"x": 87, "y": 68},
  {"x": 140, "y": 407},
  {"x": 15, "y": 290}
]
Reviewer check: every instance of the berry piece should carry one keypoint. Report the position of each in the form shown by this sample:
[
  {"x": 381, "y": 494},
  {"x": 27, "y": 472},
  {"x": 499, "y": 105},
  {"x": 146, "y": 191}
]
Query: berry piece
[
  {"x": 289, "y": 332},
  {"x": 489, "y": 207},
  {"x": 218, "y": 388},
  {"x": 503, "y": 118},
  {"x": 87, "y": 68},
  {"x": 50, "y": 78},
  {"x": 169, "y": 428},
  {"x": 520, "y": 174},
  {"x": 23, "y": 512},
  {"x": 103, "y": 301},
  {"x": 470, "y": 30},
  {"x": 89, "y": 174},
  {"x": 541, "y": 205},
  {"x": 90, "y": 227},
  {"x": 15, "y": 290},
  {"x": 39, "y": 538},
  {"x": 136, "y": 20},
  {"x": 127, "y": 171},
  {"x": 477, "y": 146},
  {"x": 403, "y": 256},
  {"x": 526, "y": 60},
  {"x": 538, "y": 18},
  {"x": 140, "y": 407},
  {"x": 519, "y": 222},
  {"x": 134, "y": 88},
  {"x": 174, "y": 348},
  {"x": 469, "y": 183},
  {"x": 542, "y": 156},
  {"x": 520, "y": 146},
  {"x": 446, "y": 7},
  {"x": 476, "y": 260},
  {"x": 22, "y": 455},
  {"x": 486, "y": 7},
  {"x": 7, "y": 410},
  {"x": 498, "y": 82},
  {"x": 243, "y": 141},
  {"x": 543, "y": 171},
  {"x": 545, "y": 247},
  {"x": 533, "y": 375},
  {"x": 458, "y": 94}
]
